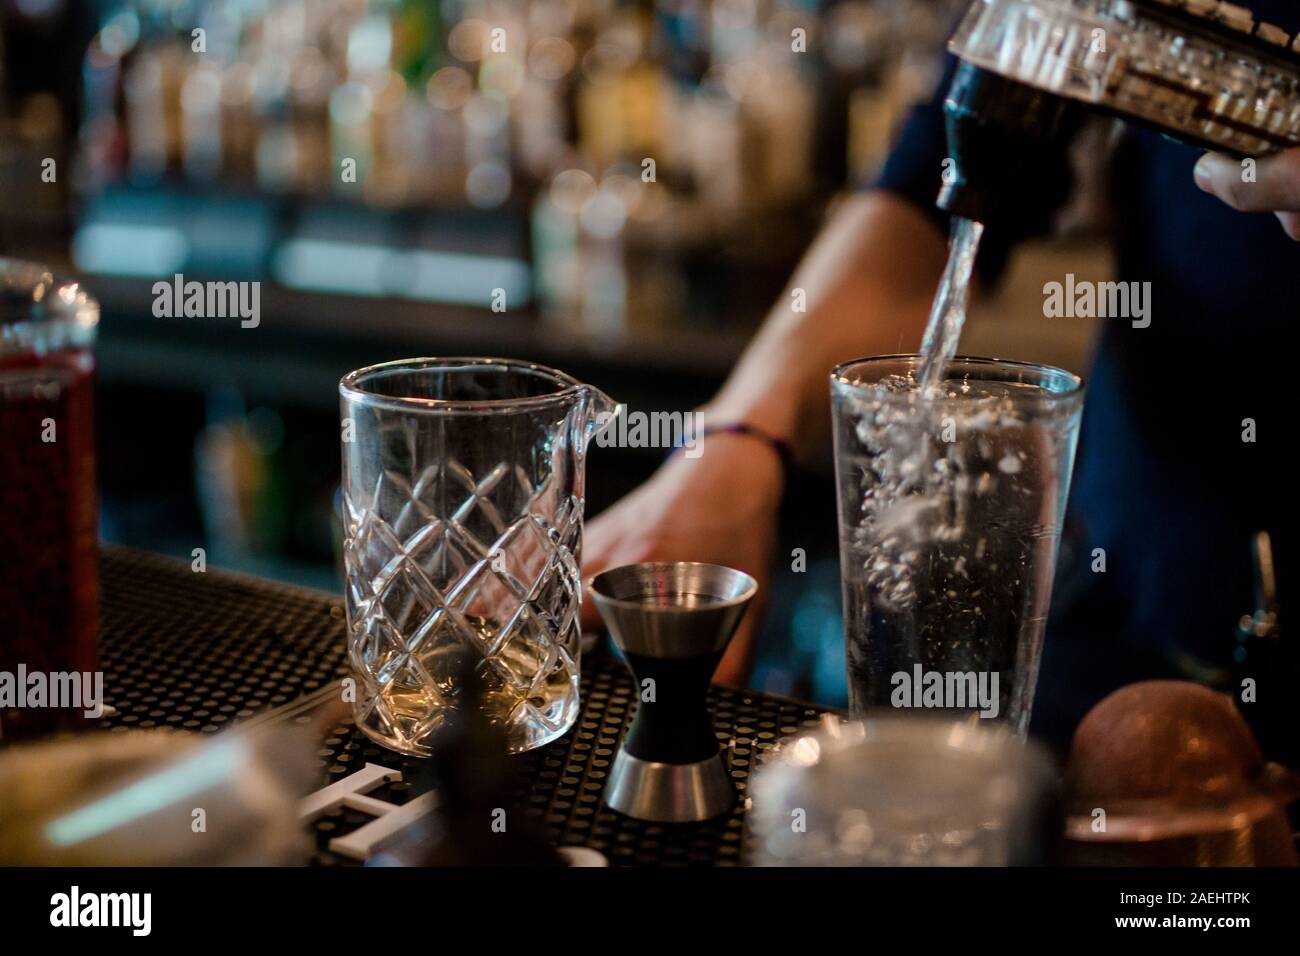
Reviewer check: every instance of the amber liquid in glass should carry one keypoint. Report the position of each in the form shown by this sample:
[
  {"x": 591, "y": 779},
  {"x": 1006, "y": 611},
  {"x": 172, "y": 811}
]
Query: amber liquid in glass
[{"x": 48, "y": 529}]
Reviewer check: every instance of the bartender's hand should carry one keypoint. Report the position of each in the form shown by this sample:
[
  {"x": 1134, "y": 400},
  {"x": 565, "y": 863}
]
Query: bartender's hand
[
  {"x": 1275, "y": 189},
  {"x": 719, "y": 508},
  {"x": 868, "y": 282}
]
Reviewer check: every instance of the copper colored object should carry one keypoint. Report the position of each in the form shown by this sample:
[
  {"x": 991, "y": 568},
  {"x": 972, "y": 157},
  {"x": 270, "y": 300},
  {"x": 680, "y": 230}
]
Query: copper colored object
[{"x": 1168, "y": 773}]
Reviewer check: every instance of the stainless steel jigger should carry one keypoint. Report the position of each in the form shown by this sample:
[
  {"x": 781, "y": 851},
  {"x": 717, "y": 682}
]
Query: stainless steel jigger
[{"x": 672, "y": 621}]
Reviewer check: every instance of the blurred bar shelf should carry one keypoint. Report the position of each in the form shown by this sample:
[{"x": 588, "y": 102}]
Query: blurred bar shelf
[
  {"x": 343, "y": 284},
  {"x": 308, "y": 340}
]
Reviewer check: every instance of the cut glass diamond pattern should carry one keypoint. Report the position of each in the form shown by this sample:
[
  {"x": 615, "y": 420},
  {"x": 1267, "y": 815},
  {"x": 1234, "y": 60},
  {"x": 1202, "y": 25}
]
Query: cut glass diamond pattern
[{"x": 452, "y": 573}]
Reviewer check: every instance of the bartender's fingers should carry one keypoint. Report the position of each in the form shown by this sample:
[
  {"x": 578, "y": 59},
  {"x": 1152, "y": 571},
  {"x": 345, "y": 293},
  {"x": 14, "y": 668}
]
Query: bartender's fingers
[
  {"x": 618, "y": 541},
  {"x": 1271, "y": 184},
  {"x": 719, "y": 508},
  {"x": 1291, "y": 223},
  {"x": 607, "y": 545}
]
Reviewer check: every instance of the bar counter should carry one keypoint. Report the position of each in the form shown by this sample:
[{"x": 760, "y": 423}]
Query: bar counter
[{"x": 203, "y": 651}]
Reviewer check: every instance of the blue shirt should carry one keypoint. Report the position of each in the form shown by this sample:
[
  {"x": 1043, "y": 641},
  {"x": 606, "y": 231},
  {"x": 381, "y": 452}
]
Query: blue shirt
[{"x": 1164, "y": 482}]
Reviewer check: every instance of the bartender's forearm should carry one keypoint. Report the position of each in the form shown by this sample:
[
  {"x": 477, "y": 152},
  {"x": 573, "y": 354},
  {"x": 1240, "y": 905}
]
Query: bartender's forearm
[{"x": 869, "y": 280}]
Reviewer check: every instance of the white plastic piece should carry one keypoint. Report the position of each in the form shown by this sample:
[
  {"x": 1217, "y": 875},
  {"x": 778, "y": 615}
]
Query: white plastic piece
[
  {"x": 350, "y": 792},
  {"x": 390, "y": 821},
  {"x": 372, "y": 775},
  {"x": 582, "y": 856}
]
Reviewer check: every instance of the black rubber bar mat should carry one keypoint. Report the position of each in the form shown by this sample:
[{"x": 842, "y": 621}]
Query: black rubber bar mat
[{"x": 200, "y": 651}]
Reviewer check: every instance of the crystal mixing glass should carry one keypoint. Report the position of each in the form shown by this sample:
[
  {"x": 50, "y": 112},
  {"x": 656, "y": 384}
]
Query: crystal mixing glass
[{"x": 463, "y": 498}]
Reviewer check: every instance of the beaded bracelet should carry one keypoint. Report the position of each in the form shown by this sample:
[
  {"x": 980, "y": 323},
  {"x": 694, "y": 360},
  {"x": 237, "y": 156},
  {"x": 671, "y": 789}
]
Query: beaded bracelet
[{"x": 778, "y": 445}]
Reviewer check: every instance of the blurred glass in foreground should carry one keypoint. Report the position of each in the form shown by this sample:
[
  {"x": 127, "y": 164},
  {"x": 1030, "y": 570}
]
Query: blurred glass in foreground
[
  {"x": 157, "y": 798},
  {"x": 906, "y": 791},
  {"x": 48, "y": 533}
]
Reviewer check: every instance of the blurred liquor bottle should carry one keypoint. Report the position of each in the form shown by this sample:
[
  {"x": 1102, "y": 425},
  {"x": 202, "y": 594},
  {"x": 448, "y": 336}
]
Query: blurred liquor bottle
[
  {"x": 681, "y": 27},
  {"x": 417, "y": 41},
  {"x": 153, "y": 73}
]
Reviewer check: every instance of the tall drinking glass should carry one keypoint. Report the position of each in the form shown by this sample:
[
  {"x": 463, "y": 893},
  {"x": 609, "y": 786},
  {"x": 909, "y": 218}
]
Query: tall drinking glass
[
  {"x": 950, "y": 510},
  {"x": 463, "y": 497},
  {"x": 48, "y": 526}
]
